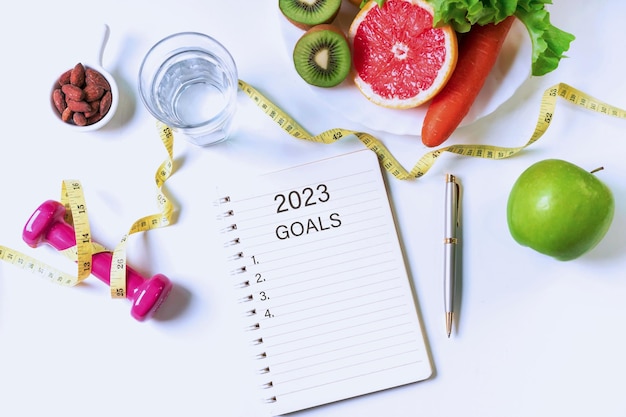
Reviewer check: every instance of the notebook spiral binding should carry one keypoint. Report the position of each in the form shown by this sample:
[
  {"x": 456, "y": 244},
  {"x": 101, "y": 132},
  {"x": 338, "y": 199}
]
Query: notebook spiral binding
[{"x": 250, "y": 312}]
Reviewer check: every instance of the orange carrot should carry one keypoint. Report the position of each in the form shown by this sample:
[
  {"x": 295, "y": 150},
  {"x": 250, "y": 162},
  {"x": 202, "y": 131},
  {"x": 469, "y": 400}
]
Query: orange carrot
[{"x": 478, "y": 52}]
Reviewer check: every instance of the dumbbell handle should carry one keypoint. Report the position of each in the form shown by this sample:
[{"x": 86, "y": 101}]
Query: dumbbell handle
[{"x": 47, "y": 225}]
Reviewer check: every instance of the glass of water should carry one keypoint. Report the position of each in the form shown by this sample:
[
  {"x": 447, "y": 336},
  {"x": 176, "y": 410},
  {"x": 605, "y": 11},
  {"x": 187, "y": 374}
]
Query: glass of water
[{"x": 189, "y": 81}]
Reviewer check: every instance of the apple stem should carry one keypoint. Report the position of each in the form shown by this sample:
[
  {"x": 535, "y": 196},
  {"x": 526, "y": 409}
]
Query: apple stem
[{"x": 597, "y": 169}]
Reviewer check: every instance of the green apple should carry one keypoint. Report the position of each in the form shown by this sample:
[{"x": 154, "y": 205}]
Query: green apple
[{"x": 559, "y": 209}]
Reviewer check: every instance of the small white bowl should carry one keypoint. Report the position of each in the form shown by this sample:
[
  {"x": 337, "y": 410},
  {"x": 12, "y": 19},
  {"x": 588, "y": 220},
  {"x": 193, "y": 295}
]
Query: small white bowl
[{"x": 97, "y": 66}]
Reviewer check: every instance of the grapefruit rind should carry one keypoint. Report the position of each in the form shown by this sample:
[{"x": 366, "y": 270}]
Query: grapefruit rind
[{"x": 396, "y": 78}]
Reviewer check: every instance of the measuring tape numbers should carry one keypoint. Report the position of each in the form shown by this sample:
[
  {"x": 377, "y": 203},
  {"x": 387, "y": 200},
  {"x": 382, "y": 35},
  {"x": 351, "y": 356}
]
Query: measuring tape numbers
[
  {"x": 25, "y": 262},
  {"x": 387, "y": 160},
  {"x": 73, "y": 199}
]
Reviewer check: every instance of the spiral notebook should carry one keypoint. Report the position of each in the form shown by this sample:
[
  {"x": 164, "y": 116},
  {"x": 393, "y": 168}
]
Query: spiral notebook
[{"x": 325, "y": 298}]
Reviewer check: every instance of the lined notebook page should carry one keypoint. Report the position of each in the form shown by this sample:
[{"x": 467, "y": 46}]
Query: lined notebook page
[{"x": 322, "y": 284}]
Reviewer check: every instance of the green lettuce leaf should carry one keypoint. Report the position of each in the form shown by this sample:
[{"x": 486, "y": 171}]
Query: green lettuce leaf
[{"x": 548, "y": 42}]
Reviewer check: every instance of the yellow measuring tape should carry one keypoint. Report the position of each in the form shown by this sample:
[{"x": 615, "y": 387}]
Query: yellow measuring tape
[
  {"x": 72, "y": 196},
  {"x": 548, "y": 104},
  {"x": 76, "y": 213},
  {"x": 160, "y": 219}
]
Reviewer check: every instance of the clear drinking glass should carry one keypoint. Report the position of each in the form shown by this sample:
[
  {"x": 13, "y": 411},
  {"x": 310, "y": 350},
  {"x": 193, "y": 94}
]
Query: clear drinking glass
[{"x": 189, "y": 81}]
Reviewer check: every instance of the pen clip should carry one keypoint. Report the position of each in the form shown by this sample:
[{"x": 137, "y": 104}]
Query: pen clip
[
  {"x": 458, "y": 204},
  {"x": 457, "y": 201}
]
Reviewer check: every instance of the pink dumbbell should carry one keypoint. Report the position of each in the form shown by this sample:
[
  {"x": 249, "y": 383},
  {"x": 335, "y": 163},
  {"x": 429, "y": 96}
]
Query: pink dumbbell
[{"x": 47, "y": 224}]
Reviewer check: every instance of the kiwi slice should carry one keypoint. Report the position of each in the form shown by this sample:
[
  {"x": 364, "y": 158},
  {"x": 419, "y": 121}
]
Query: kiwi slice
[
  {"x": 308, "y": 13},
  {"x": 322, "y": 56}
]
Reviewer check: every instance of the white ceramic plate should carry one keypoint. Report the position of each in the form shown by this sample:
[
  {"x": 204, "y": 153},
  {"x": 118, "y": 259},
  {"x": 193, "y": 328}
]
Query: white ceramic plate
[{"x": 510, "y": 71}]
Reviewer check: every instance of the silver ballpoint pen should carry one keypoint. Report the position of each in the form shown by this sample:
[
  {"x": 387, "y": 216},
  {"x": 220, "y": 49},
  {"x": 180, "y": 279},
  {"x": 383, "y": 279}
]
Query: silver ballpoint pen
[{"x": 452, "y": 223}]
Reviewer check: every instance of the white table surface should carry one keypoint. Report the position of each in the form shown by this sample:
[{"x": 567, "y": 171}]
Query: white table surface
[{"x": 536, "y": 336}]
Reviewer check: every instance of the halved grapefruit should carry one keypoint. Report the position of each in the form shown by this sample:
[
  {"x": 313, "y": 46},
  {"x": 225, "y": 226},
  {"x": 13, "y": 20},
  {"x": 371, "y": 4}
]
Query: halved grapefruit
[{"x": 400, "y": 60}]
